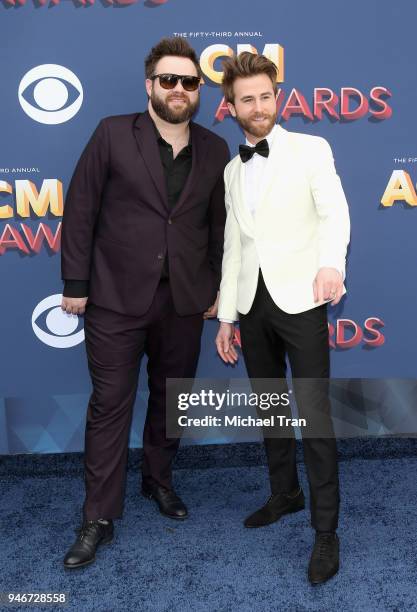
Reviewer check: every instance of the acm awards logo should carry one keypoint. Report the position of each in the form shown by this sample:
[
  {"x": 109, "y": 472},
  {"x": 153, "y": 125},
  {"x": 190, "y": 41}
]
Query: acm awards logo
[
  {"x": 348, "y": 104},
  {"x": 346, "y": 333},
  {"x": 29, "y": 203},
  {"x": 400, "y": 188}
]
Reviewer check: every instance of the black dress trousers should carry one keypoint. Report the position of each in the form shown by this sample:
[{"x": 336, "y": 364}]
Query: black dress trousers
[{"x": 268, "y": 334}]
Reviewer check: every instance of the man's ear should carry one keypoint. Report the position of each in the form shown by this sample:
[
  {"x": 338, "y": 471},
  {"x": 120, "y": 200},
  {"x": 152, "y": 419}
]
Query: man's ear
[
  {"x": 231, "y": 108},
  {"x": 148, "y": 85}
]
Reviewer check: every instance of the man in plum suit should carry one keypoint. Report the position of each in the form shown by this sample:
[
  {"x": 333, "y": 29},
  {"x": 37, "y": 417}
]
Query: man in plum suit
[{"x": 142, "y": 245}]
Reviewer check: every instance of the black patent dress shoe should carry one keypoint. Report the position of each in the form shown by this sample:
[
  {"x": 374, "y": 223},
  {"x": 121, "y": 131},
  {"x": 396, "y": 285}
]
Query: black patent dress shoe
[
  {"x": 324, "y": 561},
  {"x": 90, "y": 536},
  {"x": 168, "y": 501},
  {"x": 276, "y": 506}
]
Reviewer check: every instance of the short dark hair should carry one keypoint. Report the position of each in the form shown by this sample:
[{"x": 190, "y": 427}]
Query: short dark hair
[
  {"x": 177, "y": 47},
  {"x": 245, "y": 65}
]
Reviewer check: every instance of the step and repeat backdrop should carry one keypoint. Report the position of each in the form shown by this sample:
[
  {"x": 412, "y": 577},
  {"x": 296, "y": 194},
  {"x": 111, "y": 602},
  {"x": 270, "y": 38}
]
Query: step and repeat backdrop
[{"x": 346, "y": 73}]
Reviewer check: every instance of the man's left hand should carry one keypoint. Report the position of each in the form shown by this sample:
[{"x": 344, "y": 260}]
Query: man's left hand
[
  {"x": 328, "y": 285},
  {"x": 212, "y": 311}
]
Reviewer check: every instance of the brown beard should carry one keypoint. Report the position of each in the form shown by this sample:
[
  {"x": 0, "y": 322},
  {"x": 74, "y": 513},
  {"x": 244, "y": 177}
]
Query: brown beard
[
  {"x": 259, "y": 131},
  {"x": 165, "y": 112}
]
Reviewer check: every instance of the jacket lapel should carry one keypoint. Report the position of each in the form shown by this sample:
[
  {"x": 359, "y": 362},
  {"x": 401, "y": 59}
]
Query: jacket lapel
[
  {"x": 237, "y": 191},
  {"x": 144, "y": 132}
]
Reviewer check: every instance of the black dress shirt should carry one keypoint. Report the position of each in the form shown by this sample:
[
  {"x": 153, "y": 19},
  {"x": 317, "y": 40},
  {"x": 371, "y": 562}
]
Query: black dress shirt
[{"x": 176, "y": 172}]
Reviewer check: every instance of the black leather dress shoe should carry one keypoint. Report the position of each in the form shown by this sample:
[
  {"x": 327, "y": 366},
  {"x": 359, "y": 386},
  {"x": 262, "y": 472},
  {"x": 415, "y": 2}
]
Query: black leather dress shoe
[
  {"x": 324, "y": 561},
  {"x": 90, "y": 535},
  {"x": 276, "y": 506},
  {"x": 168, "y": 501}
]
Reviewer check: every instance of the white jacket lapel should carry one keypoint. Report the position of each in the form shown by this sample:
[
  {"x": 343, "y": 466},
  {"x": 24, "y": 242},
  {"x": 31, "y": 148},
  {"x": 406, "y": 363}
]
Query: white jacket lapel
[
  {"x": 237, "y": 187},
  {"x": 274, "y": 166}
]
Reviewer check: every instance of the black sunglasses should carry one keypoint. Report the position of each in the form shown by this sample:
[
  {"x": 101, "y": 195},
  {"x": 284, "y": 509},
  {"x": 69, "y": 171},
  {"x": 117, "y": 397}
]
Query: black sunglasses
[{"x": 169, "y": 81}]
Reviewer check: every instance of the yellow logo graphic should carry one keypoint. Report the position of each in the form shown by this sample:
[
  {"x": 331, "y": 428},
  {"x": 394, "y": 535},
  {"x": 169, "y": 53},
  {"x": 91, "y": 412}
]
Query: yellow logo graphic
[{"x": 400, "y": 188}]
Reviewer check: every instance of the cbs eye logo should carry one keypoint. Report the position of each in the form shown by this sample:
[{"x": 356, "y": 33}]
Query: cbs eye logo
[
  {"x": 49, "y": 88},
  {"x": 61, "y": 326}
]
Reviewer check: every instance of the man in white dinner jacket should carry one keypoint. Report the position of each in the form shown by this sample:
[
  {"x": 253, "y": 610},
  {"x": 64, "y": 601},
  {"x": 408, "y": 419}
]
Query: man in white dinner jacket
[{"x": 286, "y": 236}]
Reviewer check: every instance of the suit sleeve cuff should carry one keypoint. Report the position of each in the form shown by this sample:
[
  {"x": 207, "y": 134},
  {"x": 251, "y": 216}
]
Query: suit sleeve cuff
[{"x": 75, "y": 288}]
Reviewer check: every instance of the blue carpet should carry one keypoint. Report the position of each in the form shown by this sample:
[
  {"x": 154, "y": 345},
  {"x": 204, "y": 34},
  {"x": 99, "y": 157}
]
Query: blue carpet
[
  {"x": 210, "y": 562},
  {"x": 207, "y": 456}
]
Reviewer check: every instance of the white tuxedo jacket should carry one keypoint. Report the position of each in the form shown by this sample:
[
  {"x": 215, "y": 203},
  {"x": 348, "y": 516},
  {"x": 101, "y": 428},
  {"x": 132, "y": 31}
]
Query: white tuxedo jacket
[{"x": 301, "y": 224}]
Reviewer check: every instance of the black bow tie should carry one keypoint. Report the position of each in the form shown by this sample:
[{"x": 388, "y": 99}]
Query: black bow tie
[{"x": 246, "y": 153}]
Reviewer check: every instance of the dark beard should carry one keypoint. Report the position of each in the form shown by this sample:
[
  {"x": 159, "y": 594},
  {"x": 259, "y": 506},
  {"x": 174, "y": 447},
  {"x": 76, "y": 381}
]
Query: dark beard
[
  {"x": 166, "y": 113},
  {"x": 255, "y": 130}
]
